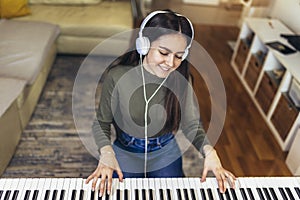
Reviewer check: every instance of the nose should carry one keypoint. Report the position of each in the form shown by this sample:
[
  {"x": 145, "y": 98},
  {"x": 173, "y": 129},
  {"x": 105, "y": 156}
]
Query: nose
[{"x": 170, "y": 60}]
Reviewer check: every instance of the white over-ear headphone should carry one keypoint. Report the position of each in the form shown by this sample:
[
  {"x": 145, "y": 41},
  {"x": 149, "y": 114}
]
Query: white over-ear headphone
[{"x": 143, "y": 43}]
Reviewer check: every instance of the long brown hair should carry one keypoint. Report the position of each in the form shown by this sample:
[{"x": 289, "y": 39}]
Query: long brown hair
[{"x": 164, "y": 22}]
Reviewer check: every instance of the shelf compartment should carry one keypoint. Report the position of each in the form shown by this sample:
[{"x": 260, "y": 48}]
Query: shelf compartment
[
  {"x": 243, "y": 50},
  {"x": 284, "y": 116},
  {"x": 267, "y": 90},
  {"x": 254, "y": 68}
]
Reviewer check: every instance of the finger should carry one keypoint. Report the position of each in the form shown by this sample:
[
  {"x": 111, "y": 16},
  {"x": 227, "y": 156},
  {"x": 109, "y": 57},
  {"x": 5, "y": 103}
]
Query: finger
[
  {"x": 221, "y": 182},
  {"x": 231, "y": 179},
  {"x": 95, "y": 179},
  {"x": 109, "y": 184},
  {"x": 204, "y": 174},
  {"x": 89, "y": 179},
  {"x": 102, "y": 185},
  {"x": 120, "y": 175}
]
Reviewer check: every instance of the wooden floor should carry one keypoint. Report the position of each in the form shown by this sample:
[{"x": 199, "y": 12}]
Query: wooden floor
[{"x": 246, "y": 145}]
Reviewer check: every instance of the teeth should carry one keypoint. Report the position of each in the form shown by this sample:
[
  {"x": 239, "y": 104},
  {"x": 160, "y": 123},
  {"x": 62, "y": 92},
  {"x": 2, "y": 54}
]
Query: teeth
[{"x": 165, "y": 68}]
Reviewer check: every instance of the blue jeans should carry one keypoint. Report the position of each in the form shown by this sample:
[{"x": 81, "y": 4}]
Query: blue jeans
[{"x": 163, "y": 158}]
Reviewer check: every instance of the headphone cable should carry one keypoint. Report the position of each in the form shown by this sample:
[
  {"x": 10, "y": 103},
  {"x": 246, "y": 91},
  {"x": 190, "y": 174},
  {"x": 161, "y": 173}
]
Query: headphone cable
[{"x": 146, "y": 112}]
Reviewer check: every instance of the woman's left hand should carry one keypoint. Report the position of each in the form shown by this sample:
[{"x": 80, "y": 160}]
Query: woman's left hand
[{"x": 213, "y": 163}]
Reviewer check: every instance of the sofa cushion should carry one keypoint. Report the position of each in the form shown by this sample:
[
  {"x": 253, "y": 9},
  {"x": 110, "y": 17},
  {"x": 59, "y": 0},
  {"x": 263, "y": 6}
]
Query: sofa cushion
[
  {"x": 10, "y": 89},
  {"x": 101, "y": 20},
  {"x": 64, "y": 1},
  {"x": 23, "y": 47},
  {"x": 15, "y": 8}
]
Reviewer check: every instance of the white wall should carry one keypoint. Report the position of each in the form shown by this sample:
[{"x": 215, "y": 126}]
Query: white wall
[{"x": 288, "y": 11}]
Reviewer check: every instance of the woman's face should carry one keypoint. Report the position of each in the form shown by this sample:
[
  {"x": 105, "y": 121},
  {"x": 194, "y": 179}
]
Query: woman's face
[{"x": 165, "y": 54}]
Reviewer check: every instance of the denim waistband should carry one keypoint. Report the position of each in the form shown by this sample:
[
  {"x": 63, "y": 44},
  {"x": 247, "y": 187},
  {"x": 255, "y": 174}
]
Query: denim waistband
[{"x": 153, "y": 143}]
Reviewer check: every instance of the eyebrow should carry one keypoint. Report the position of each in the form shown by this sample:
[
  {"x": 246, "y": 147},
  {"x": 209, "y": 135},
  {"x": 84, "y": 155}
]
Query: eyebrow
[{"x": 165, "y": 48}]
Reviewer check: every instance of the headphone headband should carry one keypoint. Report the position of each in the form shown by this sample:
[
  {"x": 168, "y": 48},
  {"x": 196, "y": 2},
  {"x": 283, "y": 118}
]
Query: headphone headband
[{"x": 143, "y": 43}]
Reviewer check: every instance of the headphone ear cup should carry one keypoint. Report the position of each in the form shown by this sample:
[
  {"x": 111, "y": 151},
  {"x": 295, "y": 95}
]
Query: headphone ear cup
[
  {"x": 186, "y": 53},
  {"x": 142, "y": 45}
]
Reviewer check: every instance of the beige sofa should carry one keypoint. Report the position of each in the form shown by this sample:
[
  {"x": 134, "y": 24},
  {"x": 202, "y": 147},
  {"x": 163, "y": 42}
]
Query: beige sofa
[
  {"x": 83, "y": 27},
  {"x": 28, "y": 47}
]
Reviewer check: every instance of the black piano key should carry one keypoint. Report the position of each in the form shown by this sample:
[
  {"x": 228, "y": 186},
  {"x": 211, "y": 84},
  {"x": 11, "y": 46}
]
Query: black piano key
[
  {"x": 54, "y": 194},
  {"x": 151, "y": 194},
  {"x": 73, "y": 196},
  {"x": 161, "y": 194},
  {"x": 1, "y": 192},
  {"x": 193, "y": 194},
  {"x": 144, "y": 194},
  {"x": 81, "y": 194},
  {"x": 267, "y": 194},
  {"x": 15, "y": 195},
  {"x": 169, "y": 196},
  {"x": 202, "y": 192},
  {"x": 220, "y": 194},
  {"x": 47, "y": 194},
  {"x": 233, "y": 193},
  {"x": 62, "y": 195},
  {"x": 289, "y": 192},
  {"x": 260, "y": 194},
  {"x": 227, "y": 194},
  {"x": 210, "y": 195},
  {"x": 297, "y": 191},
  {"x": 250, "y": 194},
  {"x": 186, "y": 194},
  {"x": 126, "y": 194},
  {"x": 281, "y": 190},
  {"x": 118, "y": 195},
  {"x": 179, "y": 194},
  {"x": 35, "y": 194},
  {"x": 99, "y": 198},
  {"x": 244, "y": 195},
  {"x": 92, "y": 195},
  {"x": 7, "y": 194},
  {"x": 27, "y": 194},
  {"x": 136, "y": 194},
  {"x": 273, "y": 193}
]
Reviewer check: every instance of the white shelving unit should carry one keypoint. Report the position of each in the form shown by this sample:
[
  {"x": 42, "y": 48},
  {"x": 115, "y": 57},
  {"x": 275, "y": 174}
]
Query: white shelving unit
[{"x": 267, "y": 74}]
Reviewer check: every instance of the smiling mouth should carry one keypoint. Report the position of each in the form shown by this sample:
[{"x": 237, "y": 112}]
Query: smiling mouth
[{"x": 165, "y": 68}]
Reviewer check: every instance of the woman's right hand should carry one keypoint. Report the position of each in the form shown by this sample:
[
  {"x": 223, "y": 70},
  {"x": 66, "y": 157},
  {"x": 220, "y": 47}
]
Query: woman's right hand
[{"x": 106, "y": 166}]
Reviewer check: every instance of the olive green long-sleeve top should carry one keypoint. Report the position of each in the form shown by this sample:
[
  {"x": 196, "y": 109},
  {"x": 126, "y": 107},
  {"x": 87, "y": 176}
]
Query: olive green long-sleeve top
[{"x": 122, "y": 104}]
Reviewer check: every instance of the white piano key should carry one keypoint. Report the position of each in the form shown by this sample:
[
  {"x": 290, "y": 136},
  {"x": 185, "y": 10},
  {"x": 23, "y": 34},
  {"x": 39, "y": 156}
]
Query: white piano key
[
  {"x": 79, "y": 186},
  {"x": 26, "y": 187},
  {"x": 88, "y": 189},
  {"x": 2, "y": 183},
  {"x": 58, "y": 187},
  {"x": 157, "y": 182},
  {"x": 66, "y": 188},
  {"x": 253, "y": 185},
  {"x": 204, "y": 185},
  {"x": 151, "y": 186},
  {"x": 6, "y": 187},
  {"x": 237, "y": 189},
  {"x": 197, "y": 186},
  {"x": 40, "y": 186},
  {"x": 175, "y": 186},
  {"x": 270, "y": 182},
  {"x": 115, "y": 187},
  {"x": 13, "y": 187},
  {"x": 127, "y": 187},
  {"x": 33, "y": 187},
  {"x": 213, "y": 184},
  {"x": 72, "y": 186},
  {"x": 164, "y": 185}
]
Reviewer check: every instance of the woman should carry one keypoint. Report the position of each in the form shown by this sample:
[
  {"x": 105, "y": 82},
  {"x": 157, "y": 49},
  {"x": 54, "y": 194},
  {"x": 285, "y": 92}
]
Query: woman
[{"x": 147, "y": 97}]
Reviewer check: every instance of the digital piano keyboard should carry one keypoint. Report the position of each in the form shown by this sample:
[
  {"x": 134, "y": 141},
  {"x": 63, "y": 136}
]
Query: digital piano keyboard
[{"x": 247, "y": 188}]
